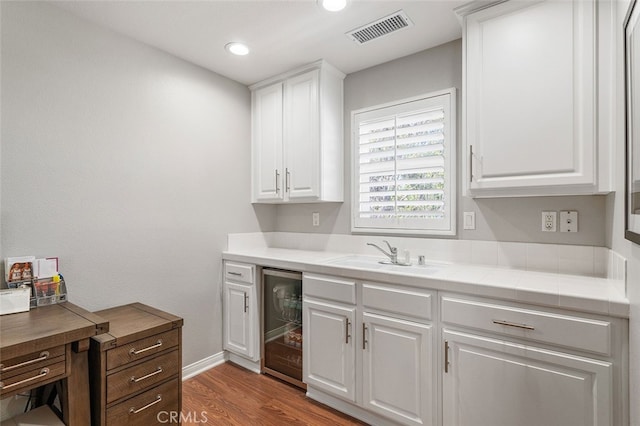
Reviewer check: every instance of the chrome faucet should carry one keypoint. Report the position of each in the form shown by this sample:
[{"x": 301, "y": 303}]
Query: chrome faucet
[{"x": 392, "y": 255}]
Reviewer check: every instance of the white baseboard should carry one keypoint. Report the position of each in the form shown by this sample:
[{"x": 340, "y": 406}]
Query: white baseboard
[{"x": 203, "y": 365}]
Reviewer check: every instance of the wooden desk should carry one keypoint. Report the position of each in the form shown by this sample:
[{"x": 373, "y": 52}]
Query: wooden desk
[{"x": 46, "y": 344}]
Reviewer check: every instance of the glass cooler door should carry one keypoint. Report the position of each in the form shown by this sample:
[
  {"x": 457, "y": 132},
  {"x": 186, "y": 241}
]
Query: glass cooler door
[{"x": 282, "y": 351}]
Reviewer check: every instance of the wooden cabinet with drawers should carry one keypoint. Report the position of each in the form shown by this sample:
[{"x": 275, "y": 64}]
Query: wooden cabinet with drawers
[{"x": 136, "y": 368}]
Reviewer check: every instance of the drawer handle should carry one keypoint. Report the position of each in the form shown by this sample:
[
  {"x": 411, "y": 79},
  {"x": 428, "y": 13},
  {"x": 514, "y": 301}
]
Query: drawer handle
[
  {"x": 512, "y": 324},
  {"x": 146, "y": 376},
  {"x": 42, "y": 373},
  {"x": 132, "y": 410},
  {"x": 237, "y": 274},
  {"x": 133, "y": 351},
  {"x": 43, "y": 355}
]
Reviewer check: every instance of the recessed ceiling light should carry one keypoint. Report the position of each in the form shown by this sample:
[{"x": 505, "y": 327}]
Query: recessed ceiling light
[
  {"x": 333, "y": 5},
  {"x": 237, "y": 48}
]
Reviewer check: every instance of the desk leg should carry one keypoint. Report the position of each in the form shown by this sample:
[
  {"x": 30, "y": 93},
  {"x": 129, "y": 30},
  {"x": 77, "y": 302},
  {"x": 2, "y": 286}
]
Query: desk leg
[{"x": 76, "y": 408}]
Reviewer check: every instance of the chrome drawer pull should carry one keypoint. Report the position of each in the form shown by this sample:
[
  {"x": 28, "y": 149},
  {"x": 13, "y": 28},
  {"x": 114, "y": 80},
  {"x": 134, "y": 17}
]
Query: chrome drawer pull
[
  {"x": 42, "y": 373},
  {"x": 146, "y": 376},
  {"x": 512, "y": 324},
  {"x": 133, "y": 351},
  {"x": 237, "y": 274},
  {"x": 43, "y": 355},
  {"x": 132, "y": 410}
]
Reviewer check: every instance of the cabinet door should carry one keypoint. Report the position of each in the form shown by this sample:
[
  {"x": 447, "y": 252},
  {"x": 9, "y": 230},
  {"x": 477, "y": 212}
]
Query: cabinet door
[
  {"x": 267, "y": 135},
  {"x": 302, "y": 136},
  {"x": 240, "y": 318},
  {"x": 490, "y": 382},
  {"x": 530, "y": 118},
  {"x": 328, "y": 348},
  {"x": 398, "y": 380}
]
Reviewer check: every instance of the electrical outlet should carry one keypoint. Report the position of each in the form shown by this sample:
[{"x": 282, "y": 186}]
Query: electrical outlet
[
  {"x": 316, "y": 218},
  {"x": 549, "y": 220}
]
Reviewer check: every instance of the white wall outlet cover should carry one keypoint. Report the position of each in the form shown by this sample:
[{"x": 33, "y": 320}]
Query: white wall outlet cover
[
  {"x": 549, "y": 220},
  {"x": 316, "y": 218},
  {"x": 469, "y": 220},
  {"x": 569, "y": 221}
]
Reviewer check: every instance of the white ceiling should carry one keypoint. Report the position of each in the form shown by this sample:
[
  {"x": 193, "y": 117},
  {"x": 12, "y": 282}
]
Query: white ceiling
[{"x": 281, "y": 34}]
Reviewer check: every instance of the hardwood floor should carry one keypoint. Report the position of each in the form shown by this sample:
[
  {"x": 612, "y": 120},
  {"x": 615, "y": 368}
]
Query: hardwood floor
[{"x": 231, "y": 395}]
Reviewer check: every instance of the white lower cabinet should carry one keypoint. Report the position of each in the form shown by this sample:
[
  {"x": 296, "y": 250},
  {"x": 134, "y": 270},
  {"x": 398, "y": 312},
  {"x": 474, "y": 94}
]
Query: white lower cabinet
[
  {"x": 506, "y": 363},
  {"x": 381, "y": 362},
  {"x": 329, "y": 348},
  {"x": 397, "y": 373},
  {"x": 240, "y": 311},
  {"x": 495, "y": 382}
]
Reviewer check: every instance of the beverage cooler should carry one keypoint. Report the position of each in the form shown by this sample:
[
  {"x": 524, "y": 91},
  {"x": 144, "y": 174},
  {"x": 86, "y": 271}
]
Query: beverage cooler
[{"x": 282, "y": 325}]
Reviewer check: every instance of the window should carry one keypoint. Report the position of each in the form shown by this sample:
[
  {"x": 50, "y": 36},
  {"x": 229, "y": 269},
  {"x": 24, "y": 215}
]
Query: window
[{"x": 404, "y": 166}]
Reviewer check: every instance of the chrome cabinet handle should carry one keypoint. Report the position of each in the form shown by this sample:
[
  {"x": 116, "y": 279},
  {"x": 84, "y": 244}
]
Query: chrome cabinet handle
[
  {"x": 346, "y": 330},
  {"x": 132, "y": 410},
  {"x": 42, "y": 373},
  {"x": 133, "y": 351},
  {"x": 513, "y": 324},
  {"x": 246, "y": 302},
  {"x": 470, "y": 163},
  {"x": 287, "y": 179},
  {"x": 146, "y": 376},
  {"x": 43, "y": 355},
  {"x": 446, "y": 356},
  {"x": 364, "y": 336},
  {"x": 277, "y": 180},
  {"x": 237, "y": 274}
]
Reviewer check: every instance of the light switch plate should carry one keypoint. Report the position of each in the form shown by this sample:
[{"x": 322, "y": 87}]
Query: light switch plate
[
  {"x": 569, "y": 221},
  {"x": 315, "y": 218},
  {"x": 469, "y": 220}
]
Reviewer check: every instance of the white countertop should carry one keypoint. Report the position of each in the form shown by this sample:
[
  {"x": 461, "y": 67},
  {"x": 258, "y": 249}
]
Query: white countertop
[{"x": 574, "y": 292}]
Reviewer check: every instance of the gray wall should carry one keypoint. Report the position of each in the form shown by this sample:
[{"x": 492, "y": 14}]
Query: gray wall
[
  {"x": 129, "y": 164},
  {"x": 516, "y": 219}
]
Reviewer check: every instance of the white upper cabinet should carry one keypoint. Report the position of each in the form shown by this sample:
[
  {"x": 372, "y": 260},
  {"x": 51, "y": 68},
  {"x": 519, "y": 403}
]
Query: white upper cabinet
[
  {"x": 533, "y": 123},
  {"x": 267, "y": 142},
  {"x": 297, "y": 136}
]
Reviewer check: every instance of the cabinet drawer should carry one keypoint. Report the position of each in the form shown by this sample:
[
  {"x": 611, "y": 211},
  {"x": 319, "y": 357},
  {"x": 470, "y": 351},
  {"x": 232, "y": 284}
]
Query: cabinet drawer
[
  {"x": 330, "y": 288},
  {"x": 142, "y": 375},
  {"x": 399, "y": 300},
  {"x": 149, "y": 408},
  {"x": 239, "y": 272},
  {"x": 142, "y": 348},
  {"x": 46, "y": 372},
  {"x": 562, "y": 330},
  {"x": 31, "y": 362}
]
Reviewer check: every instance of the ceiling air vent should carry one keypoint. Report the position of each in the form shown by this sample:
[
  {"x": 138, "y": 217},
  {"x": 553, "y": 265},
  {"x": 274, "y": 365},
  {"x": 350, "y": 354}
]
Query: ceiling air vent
[{"x": 383, "y": 26}]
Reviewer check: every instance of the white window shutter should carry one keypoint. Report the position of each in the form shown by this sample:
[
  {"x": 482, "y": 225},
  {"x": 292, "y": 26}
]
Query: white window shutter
[{"x": 404, "y": 159}]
